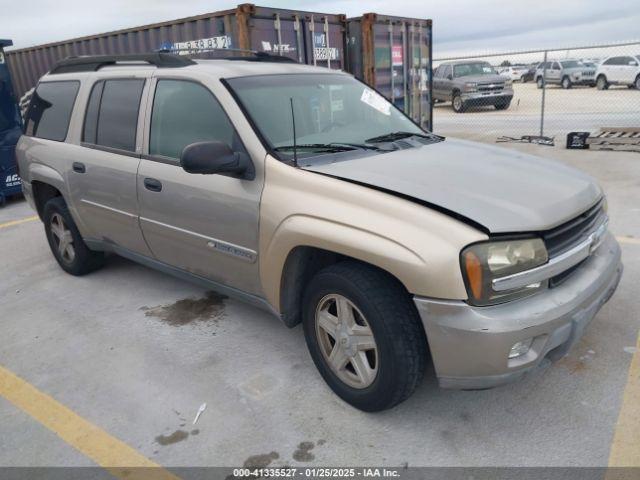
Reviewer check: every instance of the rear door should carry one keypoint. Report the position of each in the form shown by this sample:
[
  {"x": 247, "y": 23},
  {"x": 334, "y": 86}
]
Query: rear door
[
  {"x": 628, "y": 70},
  {"x": 553, "y": 74},
  {"x": 204, "y": 224},
  {"x": 103, "y": 175}
]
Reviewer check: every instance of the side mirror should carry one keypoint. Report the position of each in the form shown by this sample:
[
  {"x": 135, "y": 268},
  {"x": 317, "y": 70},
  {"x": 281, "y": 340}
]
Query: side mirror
[
  {"x": 207, "y": 158},
  {"x": 449, "y": 77}
]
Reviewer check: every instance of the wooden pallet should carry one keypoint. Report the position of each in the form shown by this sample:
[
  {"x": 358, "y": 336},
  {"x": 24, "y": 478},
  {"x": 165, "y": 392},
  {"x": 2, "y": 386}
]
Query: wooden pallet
[{"x": 618, "y": 139}]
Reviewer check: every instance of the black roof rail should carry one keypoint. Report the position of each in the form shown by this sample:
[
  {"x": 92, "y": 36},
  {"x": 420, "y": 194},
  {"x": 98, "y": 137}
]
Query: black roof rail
[
  {"x": 93, "y": 63},
  {"x": 227, "y": 54}
]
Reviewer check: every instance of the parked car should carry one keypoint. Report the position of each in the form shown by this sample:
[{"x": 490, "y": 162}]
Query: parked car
[
  {"x": 530, "y": 74},
  {"x": 565, "y": 73},
  {"x": 620, "y": 70},
  {"x": 514, "y": 73},
  {"x": 301, "y": 190},
  {"x": 471, "y": 83}
]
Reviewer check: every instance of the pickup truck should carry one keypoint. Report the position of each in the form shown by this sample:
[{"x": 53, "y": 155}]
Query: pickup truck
[{"x": 471, "y": 83}]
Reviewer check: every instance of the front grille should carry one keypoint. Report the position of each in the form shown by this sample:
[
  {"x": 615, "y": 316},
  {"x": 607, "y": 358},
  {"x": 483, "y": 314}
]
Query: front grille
[
  {"x": 588, "y": 74},
  {"x": 490, "y": 87},
  {"x": 562, "y": 238},
  {"x": 566, "y": 236}
]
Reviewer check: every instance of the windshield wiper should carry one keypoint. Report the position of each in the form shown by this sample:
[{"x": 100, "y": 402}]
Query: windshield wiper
[
  {"x": 330, "y": 147},
  {"x": 393, "y": 136}
]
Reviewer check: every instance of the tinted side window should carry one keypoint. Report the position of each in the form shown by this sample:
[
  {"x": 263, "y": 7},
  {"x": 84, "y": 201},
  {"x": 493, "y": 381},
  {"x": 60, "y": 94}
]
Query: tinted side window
[
  {"x": 50, "y": 110},
  {"x": 612, "y": 61},
  {"x": 447, "y": 71},
  {"x": 118, "y": 116},
  {"x": 184, "y": 113}
]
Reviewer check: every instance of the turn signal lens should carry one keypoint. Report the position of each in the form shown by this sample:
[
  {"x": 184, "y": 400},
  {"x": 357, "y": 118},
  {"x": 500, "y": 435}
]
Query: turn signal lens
[{"x": 474, "y": 273}]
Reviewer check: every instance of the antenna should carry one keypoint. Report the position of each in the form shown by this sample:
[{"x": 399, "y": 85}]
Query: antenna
[{"x": 295, "y": 144}]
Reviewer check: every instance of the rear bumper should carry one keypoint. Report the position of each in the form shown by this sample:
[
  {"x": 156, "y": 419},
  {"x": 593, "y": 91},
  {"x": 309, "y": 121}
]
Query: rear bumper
[
  {"x": 27, "y": 191},
  {"x": 470, "y": 345}
]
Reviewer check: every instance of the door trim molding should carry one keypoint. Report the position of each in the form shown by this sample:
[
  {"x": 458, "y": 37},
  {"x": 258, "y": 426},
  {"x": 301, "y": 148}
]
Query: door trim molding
[
  {"x": 111, "y": 209},
  {"x": 221, "y": 246}
]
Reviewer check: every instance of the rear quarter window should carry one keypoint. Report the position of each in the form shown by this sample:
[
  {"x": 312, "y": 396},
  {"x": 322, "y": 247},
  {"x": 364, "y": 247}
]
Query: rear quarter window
[{"x": 50, "y": 111}]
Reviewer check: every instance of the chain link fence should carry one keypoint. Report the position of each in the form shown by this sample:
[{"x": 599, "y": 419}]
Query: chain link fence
[{"x": 546, "y": 93}]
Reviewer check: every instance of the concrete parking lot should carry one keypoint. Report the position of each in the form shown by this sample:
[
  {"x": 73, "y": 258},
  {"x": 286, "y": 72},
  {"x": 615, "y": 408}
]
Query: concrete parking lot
[
  {"x": 134, "y": 353},
  {"x": 577, "y": 109}
]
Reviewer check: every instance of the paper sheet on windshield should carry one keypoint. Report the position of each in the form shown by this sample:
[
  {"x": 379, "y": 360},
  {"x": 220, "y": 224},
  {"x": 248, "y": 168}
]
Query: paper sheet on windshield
[{"x": 374, "y": 100}]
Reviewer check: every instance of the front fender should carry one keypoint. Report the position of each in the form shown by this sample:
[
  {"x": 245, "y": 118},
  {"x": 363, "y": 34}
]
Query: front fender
[{"x": 308, "y": 231}]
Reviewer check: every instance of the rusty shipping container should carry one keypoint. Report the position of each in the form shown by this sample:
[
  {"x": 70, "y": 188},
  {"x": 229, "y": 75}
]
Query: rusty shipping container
[
  {"x": 394, "y": 55},
  {"x": 312, "y": 38}
]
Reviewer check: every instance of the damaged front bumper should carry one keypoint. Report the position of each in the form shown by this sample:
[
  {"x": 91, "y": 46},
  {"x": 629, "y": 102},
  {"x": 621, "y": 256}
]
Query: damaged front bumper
[{"x": 470, "y": 345}]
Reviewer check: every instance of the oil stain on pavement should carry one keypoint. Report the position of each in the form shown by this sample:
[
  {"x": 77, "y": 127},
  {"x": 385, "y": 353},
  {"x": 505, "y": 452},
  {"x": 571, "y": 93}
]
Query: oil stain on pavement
[
  {"x": 303, "y": 453},
  {"x": 175, "y": 437},
  {"x": 260, "y": 461},
  {"x": 189, "y": 310}
]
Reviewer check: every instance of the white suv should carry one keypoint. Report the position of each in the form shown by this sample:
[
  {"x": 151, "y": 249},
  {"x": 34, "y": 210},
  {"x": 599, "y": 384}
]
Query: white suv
[{"x": 620, "y": 70}]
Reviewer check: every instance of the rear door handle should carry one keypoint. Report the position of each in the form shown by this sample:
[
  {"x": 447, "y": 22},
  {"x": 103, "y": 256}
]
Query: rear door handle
[
  {"x": 152, "y": 184},
  {"x": 79, "y": 167}
]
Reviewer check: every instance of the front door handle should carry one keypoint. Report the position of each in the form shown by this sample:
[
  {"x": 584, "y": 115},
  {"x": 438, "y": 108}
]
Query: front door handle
[
  {"x": 79, "y": 167},
  {"x": 152, "y": 184}
]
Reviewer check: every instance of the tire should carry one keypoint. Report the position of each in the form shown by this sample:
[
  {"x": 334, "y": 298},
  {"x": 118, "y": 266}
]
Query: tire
[
  {"x": 379, "y": 302},
  {"x": 601, "y": 83},
  {"x": 76, "y": 258},
  {"x": 523, "y": 79},
  {"x": 459, "y": 106},
  {"x": 637, "y": 82},
  {"x": 502, "y": 106},
  {"x": 540, "y": 82},
  {"x": 566, "y": 83},
  {"x": 3, "y": 201}
]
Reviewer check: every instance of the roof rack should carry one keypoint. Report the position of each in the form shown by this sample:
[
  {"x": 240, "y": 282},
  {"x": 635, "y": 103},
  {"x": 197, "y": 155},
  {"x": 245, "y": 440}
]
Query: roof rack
[
  {"x": 94, "y": 63},
  {"x": 246, "y": 55}
]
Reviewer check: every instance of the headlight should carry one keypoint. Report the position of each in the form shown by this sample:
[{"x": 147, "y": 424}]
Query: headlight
[
  {"x": 470, "y": 86},
  {"x": 483, "y": 262},
  {"x": 508, "y": 83}
]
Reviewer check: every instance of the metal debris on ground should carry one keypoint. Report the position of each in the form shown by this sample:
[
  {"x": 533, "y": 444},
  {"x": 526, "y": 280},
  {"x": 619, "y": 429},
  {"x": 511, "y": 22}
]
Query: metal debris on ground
[
  {"x": 200, "y": 410},
  {"x": 618, "y": 139},
  {"x": 537, "y": 139}
]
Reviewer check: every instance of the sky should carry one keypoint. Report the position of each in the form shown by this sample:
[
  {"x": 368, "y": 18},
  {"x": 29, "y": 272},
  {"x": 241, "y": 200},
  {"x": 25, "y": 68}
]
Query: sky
[{"x": 460, "y": 26}]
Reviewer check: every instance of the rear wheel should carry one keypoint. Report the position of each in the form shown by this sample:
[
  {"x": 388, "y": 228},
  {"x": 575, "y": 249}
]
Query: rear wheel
[
  {"x": 566, "y": 83},
  {"x": 364, "y": 335},
  {"x": 65, "y": 240},
  {"x": 459, "y": 106},
  {"x": 637, "y": 82},
  {"x": 602, "y": 83}
]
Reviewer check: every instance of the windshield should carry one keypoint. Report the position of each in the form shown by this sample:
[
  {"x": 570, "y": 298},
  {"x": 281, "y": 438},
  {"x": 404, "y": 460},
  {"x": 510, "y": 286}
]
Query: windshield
[
  {"x": 476, "y": 68},
  {"x": 329, "y": 109},
  {"x": 571, "y": 64}
]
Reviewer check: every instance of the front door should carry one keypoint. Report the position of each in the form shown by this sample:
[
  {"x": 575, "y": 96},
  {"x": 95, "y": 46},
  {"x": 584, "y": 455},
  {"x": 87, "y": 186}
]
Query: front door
[
  {"x": 204, "y": 224},
  {"x": 103, "y": 176}
]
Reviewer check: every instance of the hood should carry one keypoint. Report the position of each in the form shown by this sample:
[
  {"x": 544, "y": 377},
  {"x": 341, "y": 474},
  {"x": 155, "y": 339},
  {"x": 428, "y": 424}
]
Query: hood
[
  {"x": 488, "y": 78},
  {"x": 502, "y": 190}
]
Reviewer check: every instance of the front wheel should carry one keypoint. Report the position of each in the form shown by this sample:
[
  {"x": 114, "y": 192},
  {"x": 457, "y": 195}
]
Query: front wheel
[
  {"x": 637, "y": 82},
  {"x": 502, "y": 106},
  {"x": 566, "y": 83},
  {"x": 540, "y": 82},
  {"x": 364, "y": 335},
  {"x": 601, "y": 83},
  {"x": 65, "y": 240},
  {"x": 459, "y": 106}
]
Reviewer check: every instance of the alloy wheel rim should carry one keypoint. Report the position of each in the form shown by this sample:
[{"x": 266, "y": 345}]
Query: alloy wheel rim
[
  {"x": 457, "y": 103},
  {"x": 62, "y": 238},
  {"x": 346, "y": 341}
]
